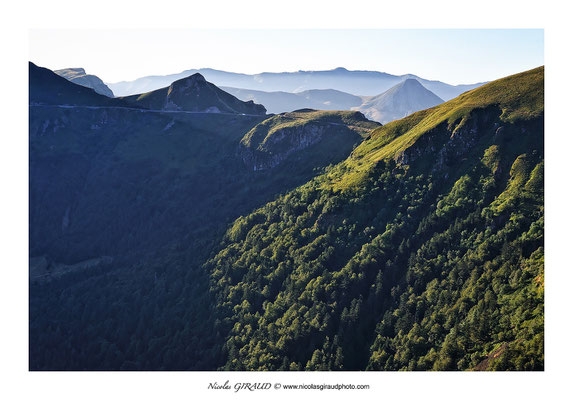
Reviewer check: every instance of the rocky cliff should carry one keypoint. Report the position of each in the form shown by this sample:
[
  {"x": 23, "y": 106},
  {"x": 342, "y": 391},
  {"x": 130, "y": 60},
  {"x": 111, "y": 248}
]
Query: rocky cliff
[
  {"x": 79, "y": 77},
  {"x": 274, "y": 140}
]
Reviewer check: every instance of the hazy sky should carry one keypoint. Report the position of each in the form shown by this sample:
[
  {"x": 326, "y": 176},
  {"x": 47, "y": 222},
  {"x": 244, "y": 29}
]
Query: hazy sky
[{"x": 452, "y": 56}]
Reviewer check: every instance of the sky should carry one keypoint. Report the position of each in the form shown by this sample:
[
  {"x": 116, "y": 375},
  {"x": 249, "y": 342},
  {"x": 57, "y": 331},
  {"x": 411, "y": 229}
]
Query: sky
[{"x": 452, "y": 56}]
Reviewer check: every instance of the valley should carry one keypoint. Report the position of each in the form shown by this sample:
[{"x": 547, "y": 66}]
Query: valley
[{"x": 182, "y": 228}]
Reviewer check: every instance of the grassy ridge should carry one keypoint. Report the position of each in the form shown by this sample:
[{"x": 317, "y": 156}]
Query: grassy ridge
[
  {"x": 310, "y": 135},
  {"x": 518, "y": 97},
  {"x": 260, "y": 134}
]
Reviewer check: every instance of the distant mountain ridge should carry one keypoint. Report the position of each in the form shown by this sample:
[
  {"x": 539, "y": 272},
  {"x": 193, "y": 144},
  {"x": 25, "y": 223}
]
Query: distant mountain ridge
[
  {"x": 399, "y": 101},
  {"x": 359, "y": 83},
  {"x": 279, "y": 102},
  {"x": 79, "y": 77},
  {"x": 192, "y": 94}
]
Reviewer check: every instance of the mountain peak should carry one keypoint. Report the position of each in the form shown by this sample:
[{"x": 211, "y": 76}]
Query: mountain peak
[
  {"x": 195, "y": 94},
  {"x": 189, "y": 82},
  {"x": 412, "y": 81},
  {"x": 399, "y": 101},
  {"x": 197, "y": 77}
]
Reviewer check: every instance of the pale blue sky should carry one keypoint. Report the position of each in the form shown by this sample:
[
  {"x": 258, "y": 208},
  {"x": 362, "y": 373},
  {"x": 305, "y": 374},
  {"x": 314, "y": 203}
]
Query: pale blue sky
[{"x": 452, "y": 56}]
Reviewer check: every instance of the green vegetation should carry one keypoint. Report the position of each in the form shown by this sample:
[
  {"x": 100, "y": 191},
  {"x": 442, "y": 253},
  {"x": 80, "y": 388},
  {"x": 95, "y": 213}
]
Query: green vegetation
[
  {"x": 422, "y": 250},
  {"x": 432, "y": 263},
  {"x": 260, "y": 135},
  {"x": 517, "y": 97},
  {"x": 154, "y": 192},
  {"x": 273, "y": 140}
]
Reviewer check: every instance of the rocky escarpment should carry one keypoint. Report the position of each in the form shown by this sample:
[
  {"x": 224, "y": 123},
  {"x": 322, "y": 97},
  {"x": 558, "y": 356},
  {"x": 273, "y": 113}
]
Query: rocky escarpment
[
  {"x": 195, "y": 94},
  {"x": 277, "y": 147},
  {"x": 79, "y": 77},
  {"x": 448, "y": 145},
  {"x": 274, "y": 140}
]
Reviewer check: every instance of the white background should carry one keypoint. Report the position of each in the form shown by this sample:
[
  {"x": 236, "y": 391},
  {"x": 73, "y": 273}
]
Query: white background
[{"x": 16, "y": 19}]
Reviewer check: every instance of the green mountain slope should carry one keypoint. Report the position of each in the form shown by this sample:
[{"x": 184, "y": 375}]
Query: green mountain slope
[
  {"x": 422, "y": 250},
  {"x": 269, "y": 143}
]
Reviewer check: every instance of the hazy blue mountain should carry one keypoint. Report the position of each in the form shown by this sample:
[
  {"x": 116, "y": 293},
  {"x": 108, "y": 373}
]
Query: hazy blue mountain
[
  {"x": 279, "y": 102},
  {"x": 360, "y": 83},
  {"x": 399, "y": 101},
  {"x": 195, "y": 94},
  {"x": 79, "y": 77}
]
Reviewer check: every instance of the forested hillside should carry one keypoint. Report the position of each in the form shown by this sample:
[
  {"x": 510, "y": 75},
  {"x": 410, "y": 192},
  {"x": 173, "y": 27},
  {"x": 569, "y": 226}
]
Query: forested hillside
[
  {"x": 302, "y": 241},
  {"x": 423, "y": 250},
  {"x": 126, "y": 204}
]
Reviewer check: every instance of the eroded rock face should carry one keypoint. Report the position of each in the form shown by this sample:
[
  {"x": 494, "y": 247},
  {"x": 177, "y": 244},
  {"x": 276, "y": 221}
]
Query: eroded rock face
[
  {"x": 331, "y": 134},
  {"x": 277, "y": 147},
  {"x": 447, "y": 144},
  {"x": 79, "y": 77}
]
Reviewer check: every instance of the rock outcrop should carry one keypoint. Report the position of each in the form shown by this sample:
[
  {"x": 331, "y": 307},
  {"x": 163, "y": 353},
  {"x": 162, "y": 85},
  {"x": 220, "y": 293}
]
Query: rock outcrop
[
  {"x": 277, "y": 147},
  {"x": 448, "y": 145},
  {"x": 274, "y": 140},
  {"x": 79, "y": 77}
]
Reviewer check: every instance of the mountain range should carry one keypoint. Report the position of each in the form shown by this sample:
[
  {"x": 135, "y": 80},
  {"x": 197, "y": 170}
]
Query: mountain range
[
  {"x": 191, "y": 94},
  {"x": 400, "y": 100},
  {"x": 279, "y": 102},
  {"x": 185, "y": 229},
  {"x": 358, "y": 83}
]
